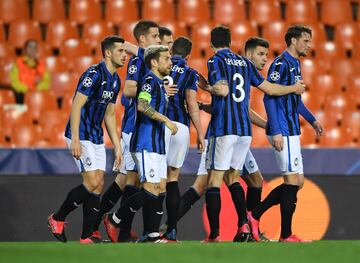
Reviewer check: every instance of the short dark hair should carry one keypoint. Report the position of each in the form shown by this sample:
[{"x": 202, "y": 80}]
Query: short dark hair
[
  {"x": 109, "y": 41},
  {"x": 164, "y": 31},
  {"x": 296, "y": 31},
  {"x": 153, "y": 52},
  {"x": 220, "y": 37},
  {"x": 182, "y": 47},
  {"x": 142, "y": 28},
  {"x": 253, "y": 42}
]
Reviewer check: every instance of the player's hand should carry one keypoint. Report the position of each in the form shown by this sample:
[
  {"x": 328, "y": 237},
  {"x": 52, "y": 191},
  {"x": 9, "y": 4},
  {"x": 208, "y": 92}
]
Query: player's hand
[
  {"x": 318, "y": 128},
  {"x": 277, "y": 142},
  {"x": 75, "y": 149},
  {"x": 200, "y": 141},
  {"x": 118, "y": 158},
  {"x": 171, "y": 90},
  {"x": 299, "y": 87},
  {"x": 172, "y": 126},
  {"x": 221, "y": 90}
]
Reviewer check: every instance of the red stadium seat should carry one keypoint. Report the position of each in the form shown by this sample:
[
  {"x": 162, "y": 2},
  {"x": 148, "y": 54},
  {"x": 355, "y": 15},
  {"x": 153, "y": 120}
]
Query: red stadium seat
[
  {"x": 74, "y": 48},
  {"x": 229, "y": 11},
  {"x": 63, "y": 83},
  {"x": 240, "y": 32},
  {"x": 310, "y": 68},
  {"x": 178, "y": 28},
  {"x": 11, "y": 10},
  {"x": 201, "y": 38},
  {"x": 95, "y": 32},
  {"x": 60, "y": 31},
  {"x": 126, "y": 31},
  {"x": 84, "y": 11},
  {"x": 301, "y": 11},
  {"x": 56, "y": 64},
  {"x": 329, "y": 51},
  {"x": 335, "y": 11},
  {"x": 25, "y": 135},
  {"x": 119, "y": 11},
  {"x": 6, "y": 97},
  {"x": 49, "y": 119},
  {"x": 38, "y": 102},
  {"x": 272, "y": 31},
  {"x": 264, "y": 11},
  {"x": 342, "y": 69},
  {"x": 45, "y": 11},
  {"x": 158, "y": 10},
  {"x": 347, "y": 35},
  {"x": 21, "y": 31},
  {"x": 193, "y": 11}
]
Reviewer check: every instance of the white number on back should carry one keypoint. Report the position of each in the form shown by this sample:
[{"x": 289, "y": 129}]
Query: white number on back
[{"x": 239, "y": 87}]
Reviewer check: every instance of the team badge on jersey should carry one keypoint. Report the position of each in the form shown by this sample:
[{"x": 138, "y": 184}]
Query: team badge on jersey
[
  {"x": 152, "y": 173},
  {"x": 296, "y": 161},
  {"x": 275, "y": 76},
  {"x": 251, "y": 164},
  {"x": 132, "y": 69},
  {"x": 88, "y": 161},
  {"x": 146, "y": 87},
  {"x": 87, "y": 82}
]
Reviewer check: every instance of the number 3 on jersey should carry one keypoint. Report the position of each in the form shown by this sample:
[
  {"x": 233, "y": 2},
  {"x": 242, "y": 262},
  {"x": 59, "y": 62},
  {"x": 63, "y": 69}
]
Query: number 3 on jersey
[{"x": 239, "y": 87}]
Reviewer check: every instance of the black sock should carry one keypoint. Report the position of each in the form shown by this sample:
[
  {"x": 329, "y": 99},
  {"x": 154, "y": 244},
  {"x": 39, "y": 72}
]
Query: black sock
[
  {"x": 156, "y": 212},
  {"x": 238, "y": 197},
  {"x": 73, "y": 200},
  {"x": 287, "y": 208},
  {"x": 91, "y": 208},
  {"x": 213, "y": 207},
  {"x": 273, "y": 198},
  {"x": 108, "y": 201},
  {"x": 253, "y": 197},
  {"x": 186, "y": 202},
  {"x": 172, "y": 204},
  {"x": 129, "y": 190}
]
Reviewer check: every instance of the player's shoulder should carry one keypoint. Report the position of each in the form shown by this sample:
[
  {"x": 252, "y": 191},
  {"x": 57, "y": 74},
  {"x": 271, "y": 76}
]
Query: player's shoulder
[
  {"x": 279, "y": 61},
  {"x": 93, "y": 69}
]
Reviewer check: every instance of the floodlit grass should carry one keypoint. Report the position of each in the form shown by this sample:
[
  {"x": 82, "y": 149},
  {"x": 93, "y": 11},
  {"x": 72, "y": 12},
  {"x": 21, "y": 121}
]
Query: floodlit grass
[{"x": 187, "y": 251}]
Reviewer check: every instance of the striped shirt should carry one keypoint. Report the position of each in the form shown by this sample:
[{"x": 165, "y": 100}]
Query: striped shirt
[{"x": 101, "y": 88}]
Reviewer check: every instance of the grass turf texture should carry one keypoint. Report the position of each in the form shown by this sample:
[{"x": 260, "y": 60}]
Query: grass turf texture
[{"x": 187, "y": 251}]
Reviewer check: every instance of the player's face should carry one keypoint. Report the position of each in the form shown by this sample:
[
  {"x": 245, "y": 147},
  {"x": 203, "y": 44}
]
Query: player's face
[
  {"x": 164, "y": 63},
  {"x": 167, "y": 41},
  {"x": 303, "y": 44},
  {"x": 152, "y": 37},
  {"x": 118, "y": 55},
  {"x": 259, "y": 57}
]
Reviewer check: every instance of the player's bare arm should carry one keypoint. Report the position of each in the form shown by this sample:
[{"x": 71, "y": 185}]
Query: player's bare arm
[
  {"x": 110, "y": 124},
  {"x": 273, "y": 89},
  {"x": 194, "y": 113},
  {"x": 256, "y": 119},
  {"x": 144, "y": 107},
  {"x": 131, "y": 48},
  {"x": 221, "y": 88},
  {"x": 78, "y": 103},
  {"x": 130, "y": 88}
]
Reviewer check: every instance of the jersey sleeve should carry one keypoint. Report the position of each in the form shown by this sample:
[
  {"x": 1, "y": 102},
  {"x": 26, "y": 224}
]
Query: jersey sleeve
[
  {"x": 141, "y": 53},
  {"x": 305, "y": 112},
  {"x": 135, "y": 67},
  {"x": 125, "y": 101},
  {"x": 278, "y": 72},
  {"x": 216, "y": 70},
  {"x": 193, "y": 81},
  {"x": 88, "y": 81},
  {"x": 117, "y": 90},
  {"x": 146, "y": 89}
]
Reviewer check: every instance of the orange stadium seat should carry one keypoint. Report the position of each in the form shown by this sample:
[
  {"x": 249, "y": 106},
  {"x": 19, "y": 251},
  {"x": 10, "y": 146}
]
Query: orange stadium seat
[
  {"x": 256, "y": 102},
  {"x": 259, "y": 138},
  {"x": 38, "y": 102},
  {"x": 193, "y": 11},
  {"x": 2, "y": 33},
  {"x": 63, "y": 83},
  {"x": 11, "y": 10},
  {"x": 21, "y": 31},
  {"x": 95, "y": 32},
  {"x": 74, "y": 48},
  {"x": 310, "y": 68},
  {"x": 339, "y": 103},
  {"x": 12, "y": 119},
  {"x": 341, "y": 69},
  {"x": 352, "y": 124},
  {"x": 6, "y": 97},
  {"x": 347, "y": 35},
  {"x": 25, "y": 135},
  {"x": 200, "y": 64},
  {"x": 60, "y": 31},
  {"x": 201, "y": 38},
  {"x": 44, "y": 50},
  {"x": 50, "y": 119},
  {"x": 126, "y": 31},
  {"x": 318, "y": 35},
  {"x": 56, "y": 64},
  {"x": 323, "y": 84},
  {"x": 45, "y": 11},
  {"x": 5, "y": 67},
  {"x": 335, "y": 11},
  {"x": 240, "y": 32},
  {"x": 84, "y": 11},
  {"x": 308, "y": 137},
  {"x": 80, "y": 64},
  {"x": 272, "y": 31},
  {"x": 6, "y": 50},
  {"x": 354, "y": 88},
  {"x": 329, "y": 51},
  {"x": 264, "y": 11},
  {"x": 178, "y": 28},
  {"x": 311, "y": 100},
  {"x": 158, "y": 10},
  {"x": 334, "y": 137},
  {"x": 301, "y": 11},
  {"x": 229, "y": 11},
  {"x": 119, "y": 11}
]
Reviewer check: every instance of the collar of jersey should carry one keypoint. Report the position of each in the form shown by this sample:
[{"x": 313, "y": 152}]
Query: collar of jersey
[
  {"x": 287, "y": 55},
  {"x": 102, "y": 64},
  {"x": 178, "y": 58}
]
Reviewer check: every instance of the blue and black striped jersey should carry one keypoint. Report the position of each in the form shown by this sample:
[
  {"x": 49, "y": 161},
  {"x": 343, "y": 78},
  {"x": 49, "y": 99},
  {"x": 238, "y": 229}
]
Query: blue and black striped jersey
[
  {"x": 149, "y": 134},
  {"x": 230, "y": 114},
  {"x": 136, "y": 70},
  {"x": 282, "y": 111},
  {"x": 101, "y": 88},
  {"x": 185, "y": 78}
]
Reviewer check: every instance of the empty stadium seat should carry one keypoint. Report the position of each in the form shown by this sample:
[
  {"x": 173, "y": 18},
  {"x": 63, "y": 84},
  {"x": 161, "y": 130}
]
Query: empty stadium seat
[
  {"x": 84, "y": 11},
  {"x": 119, "y": 11},
  {"x": 6, "y": 50},
  {"x": 63, "y": 83},
  {"x": 200, "y": 36},
  {"x": 45, "y": 11},
  {"x": 178, "y": 28},
  {"x": 318, "y": 35},
  {"x": 301, "y": 11},
  {"x": 74, "y": 48},
  {"x": 352, "y": 126},
  {"x": 341, "y": 69},
  {"x": 229, "y": 11},
  {"x": 95, "y": 32},
  {"x": 38, "y": 102},
  {"x": 6, "y": 97},
  {"x": 11, "y": 10},
  {"x": 310, "y": 68},
  {"x": 308, "y": 136},
  {"x": 193, "y": 11},
  {"x": 126, "y": 31},
  {"x": 50, "y": 119},
  {"x": 199, "y": 64},
  {"x": 21, "y": 31},
  {"x": 6, "y": 64},
  {"x": 353, "y": 91},
  {"x": 60, "y": 31},
  {"x": 311, "y": 100},
  {"x": 264, "y": 11},
  {"x": 272, "y": 31},
  {"x": 2, "y": 33},
  {"x": 80, "y": 64},
  {"x": 347, "y": 35},
  {"x": 335, "y": 11},
  {"x": 158, "y": 10},
  {"x": 12, "y": 119},
  {"x": 25, "y": 135},
  {"x": 330, "y": 51},
  {"x": 240, "y": 32},
  {"x": 56, "y": 64},
  {"x": 323, "y": 84}
]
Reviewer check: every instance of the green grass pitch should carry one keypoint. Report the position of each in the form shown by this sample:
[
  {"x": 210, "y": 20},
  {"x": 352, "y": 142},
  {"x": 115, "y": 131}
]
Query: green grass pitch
[{"x": 187, "y": 251}]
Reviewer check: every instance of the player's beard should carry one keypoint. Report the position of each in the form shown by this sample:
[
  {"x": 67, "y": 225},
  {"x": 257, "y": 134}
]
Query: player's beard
[{"x": 165, "y": 72}]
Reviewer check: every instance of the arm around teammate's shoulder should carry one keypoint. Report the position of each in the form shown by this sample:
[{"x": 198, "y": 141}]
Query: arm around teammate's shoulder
[{"x": 274, "y": 89}]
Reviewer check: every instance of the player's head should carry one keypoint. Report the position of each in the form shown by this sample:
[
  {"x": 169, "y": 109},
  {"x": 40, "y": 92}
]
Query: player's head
[
  {"x": 182, "y": 47},
  {"x": 31, "y": 48},
  {"x": 220, "y": 37},
  {"x": 166, "y": 36},
  {"x": 298, "y": 38},
  {"x": 158, "y": 59},
  {"x": 146, "y": 33},
  {"x": 257, "y": 50},
  {"x": 113, "y": 49}
]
